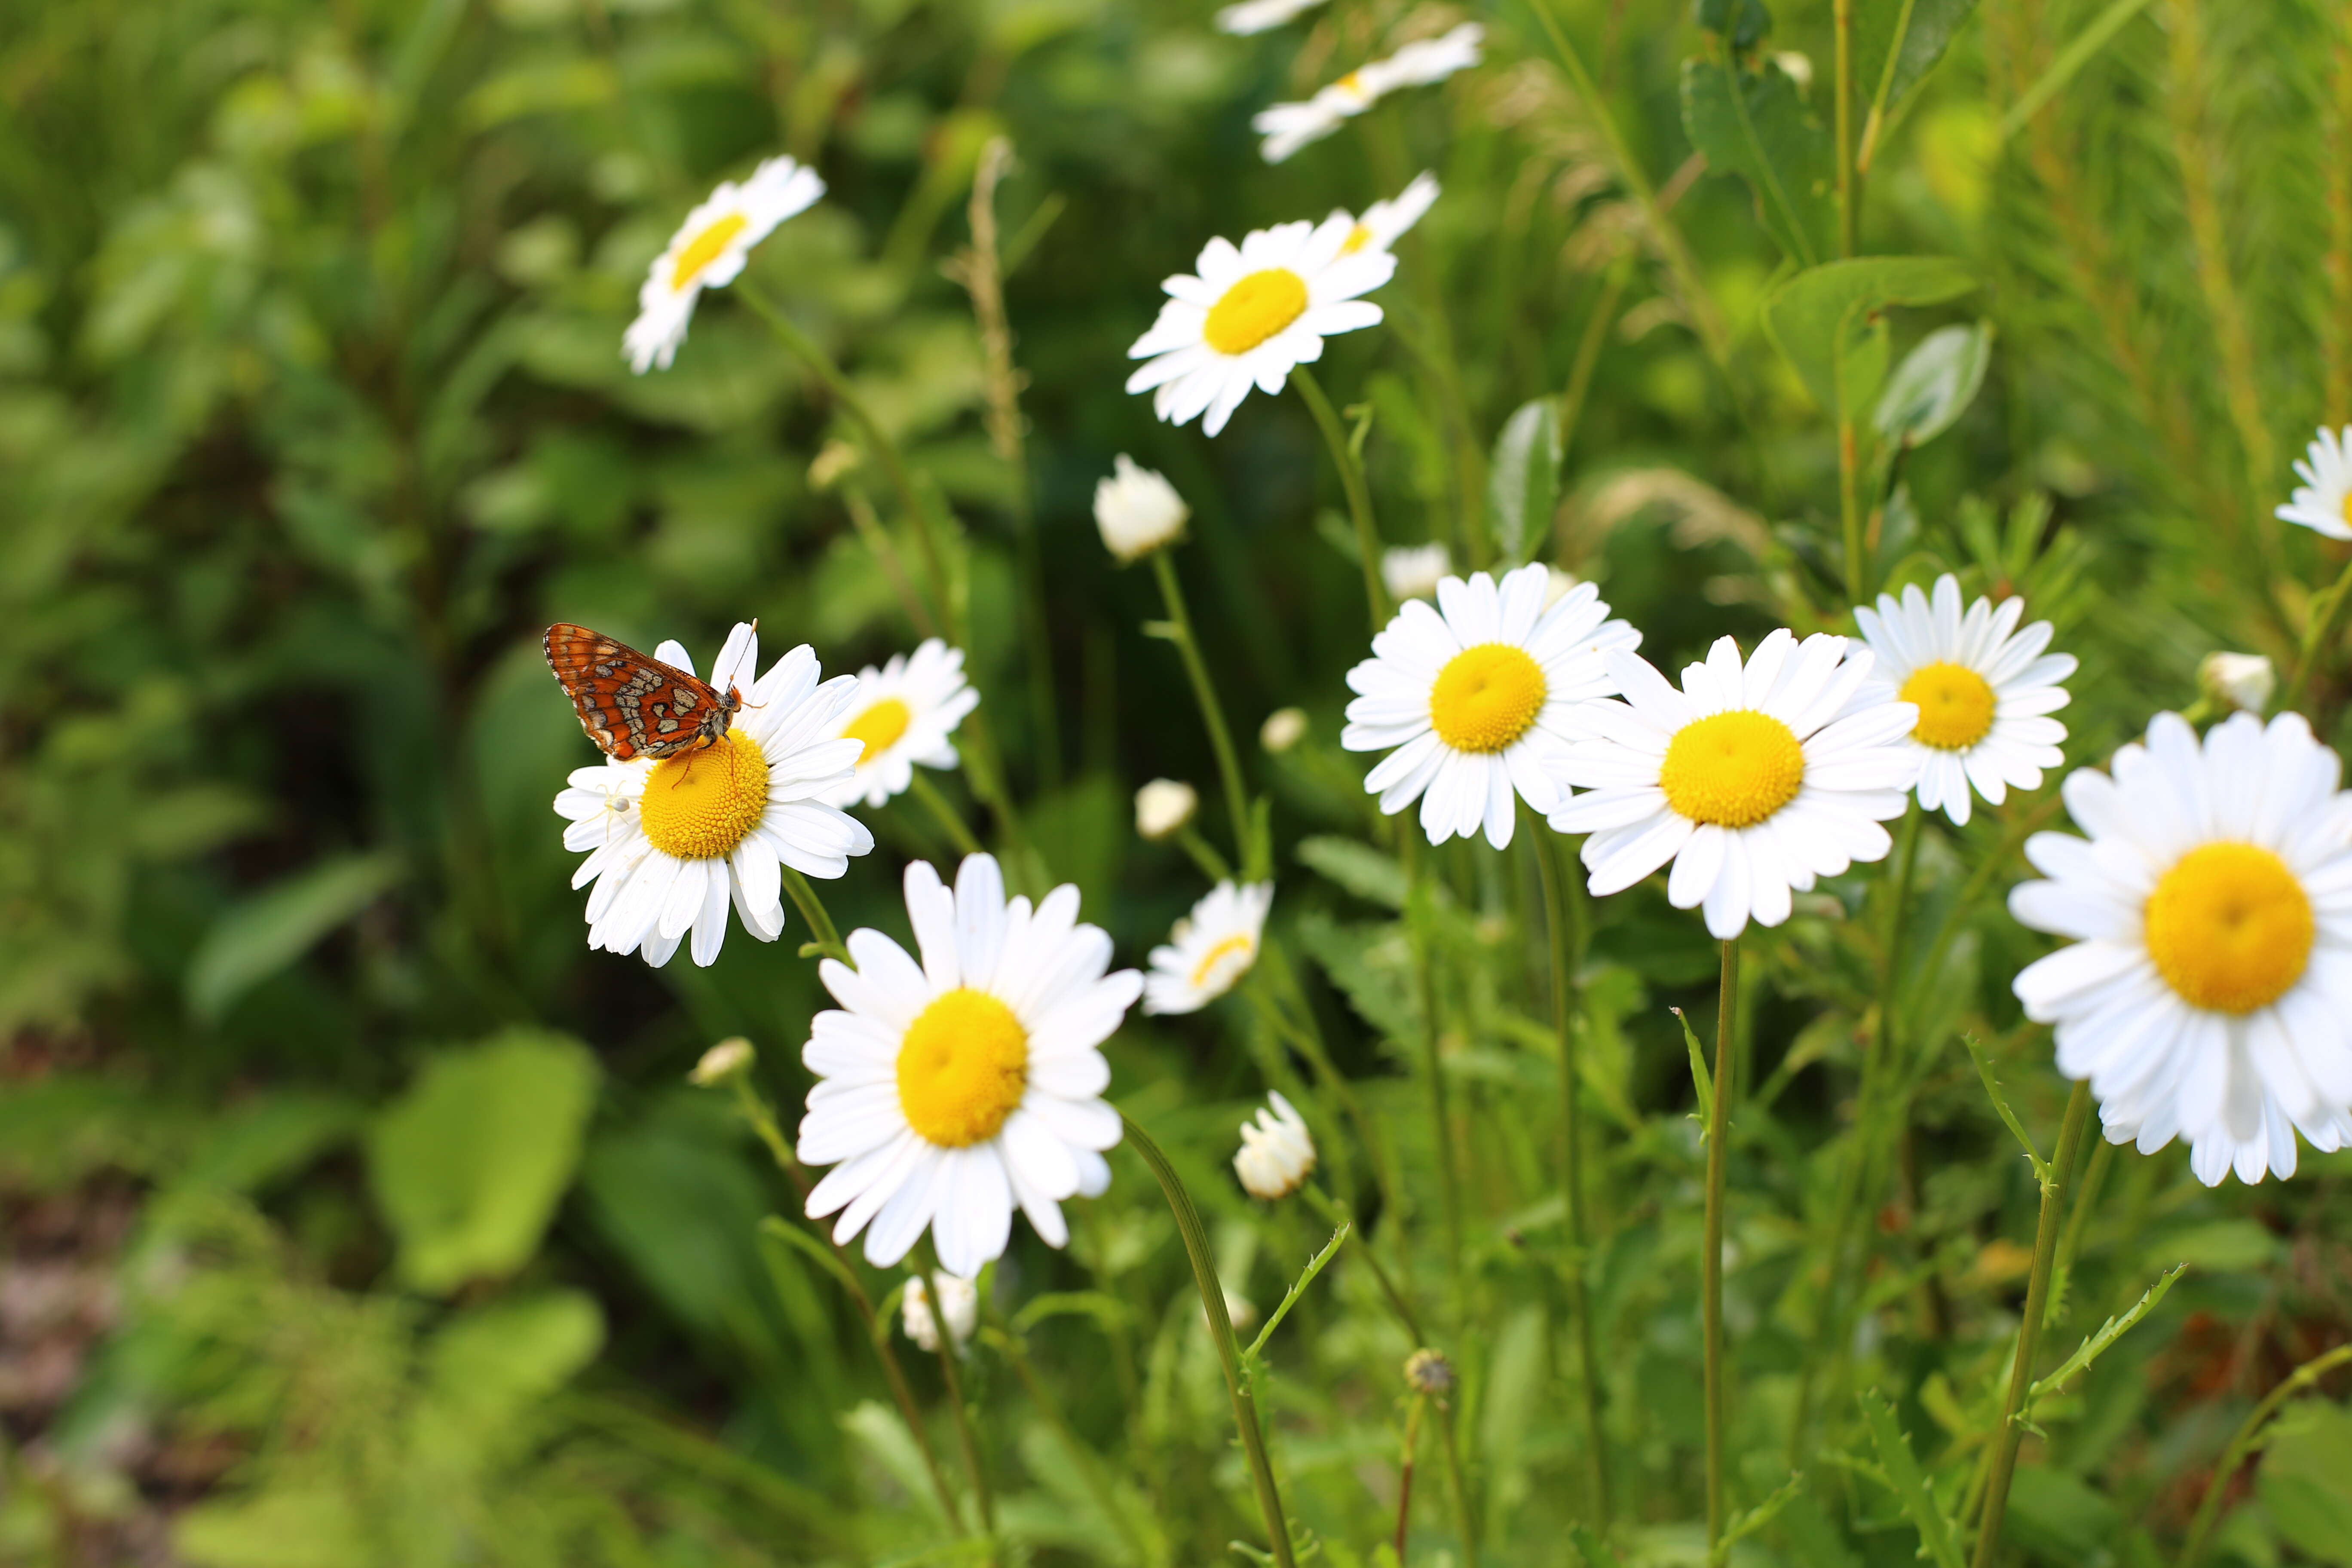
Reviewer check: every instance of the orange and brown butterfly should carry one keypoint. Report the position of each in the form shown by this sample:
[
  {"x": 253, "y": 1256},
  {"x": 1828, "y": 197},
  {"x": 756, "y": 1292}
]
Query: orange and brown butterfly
[{"x": 631, "y": 705}]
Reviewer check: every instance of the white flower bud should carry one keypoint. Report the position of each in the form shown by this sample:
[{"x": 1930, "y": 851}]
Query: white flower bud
[
  {"x": 1556, "y": 583},
  {"x": 1163, "y": 806},
  {"x": 1284, "y": 727},
  {"x": 721, "y": 1062},
  {"x": 1276, "y": 1152},
  {"x": 2240, "y": 680},
  {"x": 963, "y": 1299},
  {"x": 1414, "y": 571},
  {"x": 1137, "y": 510}
]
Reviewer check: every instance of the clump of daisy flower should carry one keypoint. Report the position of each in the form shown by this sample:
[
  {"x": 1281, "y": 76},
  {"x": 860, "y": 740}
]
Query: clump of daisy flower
[
  {"x": 1474, "y": 695},
  {"x": 1163, "y": 807},
  {"x": 1138, "y": 511},
  {"x": 1385, "y": 222},
  {"x": 1287, "y": 127},
  {"x": 1250, "y": 314},
  {"x": 905, "y": 713},
  {"x": 1277, "y": 1153},
  {"x": 1984, "y": 689},
  {"x": 1414, "y": 571},
  {"x": 672, "y": 844},
  {"x": 708, "y": 252},
  {"x": 2237, "y": 681},
  {"x": 2207, "y": 992},
  {"x": 1754, "y": 780},
  {"x": 960, "y": 1299},
  {"x": 952, "y": 1090},
  {"x": 1261, "y": 16},
  {"x": 1210, "y": 950},
  {"x": 2323, "y": 502}
]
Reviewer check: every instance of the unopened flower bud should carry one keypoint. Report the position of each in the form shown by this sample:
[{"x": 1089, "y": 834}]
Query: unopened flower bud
[
  {"x": 833, "y": 459},
  {"x": 1414, "y": 571},
  {"x": 1163, "y": 806},
  {"x": 1277, "y": 1153},
  {"x": 2239, "y": 679},
  {"x": 1427, "y": 1372},
  {"x": 726, "y": 1060},
  {"x": 1137, "y": 510},
  {"x": 1284, "y": 727},
  {"x": 962, "y": 1297},
  {"x": 1556, "y": 583}
]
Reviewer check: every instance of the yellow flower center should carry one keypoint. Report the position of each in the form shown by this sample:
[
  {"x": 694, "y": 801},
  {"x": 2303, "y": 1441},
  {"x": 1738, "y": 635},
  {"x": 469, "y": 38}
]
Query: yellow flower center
[
  {"x": 700, "y": 804},
  {"x": 1353, "y": 81},
  {"x": 1255, "y": 309},
  {"x": 703, "y": 249},
  {"x": 1485, "y": 696},
  {"x": 880, "y": 727},
  {"x": 2347, "y": 506},
  {"x": 1733, "y": 769},
  {"x": 1357, "y": 237},
  {"x": 2230, "y": 928},
  {"x": 1955, "y": 702},
  {"x": 963, "y": 1068},
  {"x": 1215, "y": 965}
]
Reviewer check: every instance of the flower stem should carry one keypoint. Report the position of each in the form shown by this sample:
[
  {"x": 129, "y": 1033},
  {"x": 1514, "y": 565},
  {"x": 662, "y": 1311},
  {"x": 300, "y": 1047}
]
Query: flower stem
[
  {"x": 1849, "y": 179},
  {"x": 1718, "y": 1128},
  {"x": 1464, "y": 1518},
  {"x": 965, "y": 1437},
  {"x": 812, "y": 907},
  {"x": 1567, "y": 1002},
  {"x": 2327, "y": 615},
  {"x": 1420, "y": 899},
  {"x": 1246, "y": 848},
  {"x": 1339, "y": 1214},
  {"x": 1404, "y": 1470},
  {"x": 1221, "y": 1333},
  {"x": 2301, "y": 1378},
  {"x": 944, "y": 813},
  {"x": 2037, "y": 1299},
  {"x": 1360, "y": 497}
]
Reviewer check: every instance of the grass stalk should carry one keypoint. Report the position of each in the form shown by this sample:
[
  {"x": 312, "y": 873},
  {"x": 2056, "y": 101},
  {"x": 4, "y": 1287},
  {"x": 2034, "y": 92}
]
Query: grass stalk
[
  {"x": 1849, "y": 178},
  {"x": 1351, "y": 480},
  {"x": 944, "y": 813},
  {"x": 1718, "y": 1132},
  {"x": 965, "y": 1437},
  {"x": 1246, "y": 848},
  {"x": 1421, "y": 896}
]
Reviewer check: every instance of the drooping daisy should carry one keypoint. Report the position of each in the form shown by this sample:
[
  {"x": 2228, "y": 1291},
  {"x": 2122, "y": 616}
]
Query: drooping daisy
[
  {"x": 1414, "y": 571},
  {"x": 1252, "y": 313},
  {"x": 1474, "y": 694},
  {"x": 1287, "y": 127},
  {"x": 1984, "y": 690},
  {"x": 1261, "y": 16},
  {"x": 952, "y": 1091},
  {"x": 1385, "y": 222},
  {"x": 1277, "y": 1152},
  {"x": 708, "y": 252},
  {"x": 1210, "y": 950},
  {"x": 1753, "y": 780},
  {"x": 672, "y": 843},
  {"x": 2208, "y": 992},
  {"x": 2323, "y": 502},
  {"x": 906, "y": 712}
]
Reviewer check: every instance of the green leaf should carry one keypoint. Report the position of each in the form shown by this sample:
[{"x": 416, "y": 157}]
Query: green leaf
[
  {"x": 1819, "y": 318},
  {"x": 1895, "y": 44},
  {"x": 258, "y": 938},
  {"x": 1745, "y": 22},
  {"x": 1523, "y": 479},
  {"x": 2000, "y": 1105},
  {"x": 1754, "y": 123},
  {"x": 1370, "y": 875},
  {"x": 1939, "y": 1541},
  {"x": 1592, "y": 1548},
  {"x": 1934, "y": 384},
  {"x": 497, "y": 1360},
  {"x": 1315, "y": 1266},
  {"x": 469, "y": 1165},
  {"x": 1699, "y": 1079},
  {"x": 1749, "y": 1520},
  {"x": 2098, "y": 1344},
  {"x": 287, "y": 1526},
  {"x": 2055, "y": 1517},
  {"x": 2306, "y": 1479}
]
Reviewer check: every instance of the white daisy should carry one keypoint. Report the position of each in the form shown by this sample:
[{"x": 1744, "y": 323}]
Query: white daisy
[
  {"x": 1984, "y": 690},
  {"x": 1277, "y": 1152},
  {"x": 1753, "y": 780},
  {"x": 671, "y": 843},
  {"x": 1137, "y": 510},
  {"x": 951, "y": 1090},
  {"x": 1414, "y": 571},
  {"x": 906, "y": 712},
  {"x": 2323, "y": 502},
  {"x": 1250, "y": 314},
  {"x": 1287, "y": 127},
  {"x": 2208, "y": 993},
  {"x": 1261, "y": 16},
  {"x": 1475, "y": 694},
  {"x": 708, "y": 252},
  {"x": 1210, "y": 950},
  {"x": 1385, "y": 222}
]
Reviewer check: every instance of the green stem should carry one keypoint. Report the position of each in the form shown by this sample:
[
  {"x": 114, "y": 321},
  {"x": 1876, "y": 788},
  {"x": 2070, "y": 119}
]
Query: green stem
[
  {"x": 1421, "y": 895},
  {"x": 1849, "y": 181},
  {"x": 2037, "y": 1299},
  {"x": 1857, "y": 568},
  {"x": 965, "y": 1437},
  {"x": 1718, "y": 1137},
  {"x": 944, "y": 813},
  {"x": 1221, "y": 1333},
  {"x": 1351, "y": 480},
  {"x": 1567, "y": 1002},
  {"x": 1455, "y": 1484},
  {"x": 2326, "y": 616},
  {"x": 1339, "y": 1213},
  {"x": 812, "y": 907},
  {"x": 1246, "y": 848},
  {"x": 2210, "y": 1509},
  {"x": 1404, "y": 1470}
]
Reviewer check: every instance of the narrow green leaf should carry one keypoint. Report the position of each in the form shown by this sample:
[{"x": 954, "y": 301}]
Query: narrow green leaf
[
  {"x": 1751, "y": 121},
  {"x": 1895, "y": 44},
  {"x": 2071, "y": 60},
  {"x": 1749, "y": 1520},
  {"x": 1699, "y": 1078},
  {"x": 1934, "y": 384},
  {"x": 260, "y": 938},
  {"x": 1315, "y": 1266},
  {"x": 1523, "y": 479},
  {"x": 2098, "y": 1343},
  {"x": 1371, "y": 874},
  {"x": 1938, "y": 1540},
  {"x": 776, "y": 1228},
  {"x": 2000, "y": 1105}
]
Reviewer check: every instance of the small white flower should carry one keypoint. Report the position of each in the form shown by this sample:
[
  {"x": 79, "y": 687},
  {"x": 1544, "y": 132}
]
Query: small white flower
[
  {"x": 1284, "y": 727},
  {"x": 1163, "y": 806},
  {"x": 906, "y": 712},
  {"x": 2323, "y": 502},
  {"x": 959, "y": 1295},
  {"x": 1137, "y": 510},
  {"x": 1414, "y": 571},
  {"x": 708, "y": 252},
  {"x": 721, "y": 1062},
  {"x": 1251, "y": 314},
  {"x": 1261, "y": 16},
  {"x": 1983, "y": 688},
  {"x": 1287, "y": 127},
  {"x": 1278, "y": 1154},
  {"x": 2239, "y": 679},
  {"x": 2208, "y": 992},
  {"x": 1210, "y": 950},
  {"x": 1475, "y": 694},
  {"x": 1385, "y": 222},
  {"x": 671, "y": 843},
  {"x": 1753, "y": 779},
  {"x": 951, "y": 1090}
]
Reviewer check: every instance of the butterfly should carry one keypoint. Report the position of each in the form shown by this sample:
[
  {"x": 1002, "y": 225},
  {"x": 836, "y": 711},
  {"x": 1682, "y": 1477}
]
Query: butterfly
[{"x": 631, "y": 705}]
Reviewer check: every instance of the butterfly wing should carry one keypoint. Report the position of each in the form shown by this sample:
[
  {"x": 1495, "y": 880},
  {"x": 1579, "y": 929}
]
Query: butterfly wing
[{"x": 631, "y": 705}]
